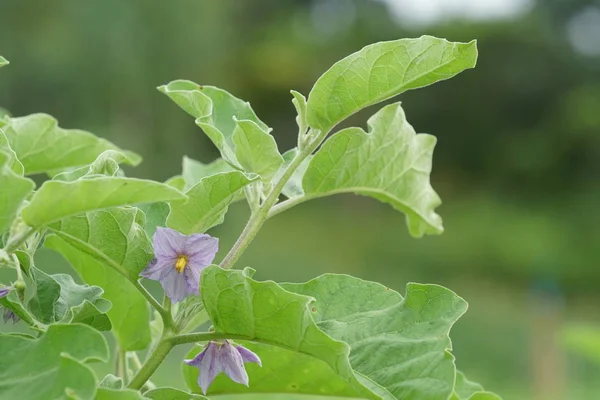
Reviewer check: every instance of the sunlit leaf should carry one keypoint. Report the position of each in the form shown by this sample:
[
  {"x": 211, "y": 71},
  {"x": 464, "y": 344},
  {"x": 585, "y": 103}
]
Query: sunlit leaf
[
  {"x": 256, "y": 150},
  {"x": 156, "y": 215},
  {"x": 381, "y": 71},
  {"x": 13, "y": 162},
  {"x": 13, "y": 190},
  {"x": 390, "y": 163},
  {"x": 399, "y": 346},
  {"x": 293, "y": 187},
  {"x": 124, "y": 394},
  {"x": 3, "y": 61},
  {"x": 465, "y": 389},
  {"x": 299, "y": 102},
  {"x": 98, "y": 244},
  {"x": 264, "y": 312},
  {"x": 53, "y": 365},
  {"x": 193, "y": 171},
  {"x": 56, "y": 200},
  {"x": 106, "y": 164},
  {"x": 207, "y": 202},
  {"x": 43, "y": 146}
]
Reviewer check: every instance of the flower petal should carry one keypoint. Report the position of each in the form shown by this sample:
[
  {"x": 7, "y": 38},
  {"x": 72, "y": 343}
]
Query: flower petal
[
  {"x": 158, "y": 268},
  {"x": 195, "y": 362},
  {"x": 168, "y": 242},
  {"x": 232, "y": 363},
  {"x": 248, "y": 356},
  {"x": 175, "y": 286},
  {"x": 201, "y": 249},
  {"x": 4, "y": 291},
  {"x": 192, "y": 278},
  {"x": 210, "y": 366}
]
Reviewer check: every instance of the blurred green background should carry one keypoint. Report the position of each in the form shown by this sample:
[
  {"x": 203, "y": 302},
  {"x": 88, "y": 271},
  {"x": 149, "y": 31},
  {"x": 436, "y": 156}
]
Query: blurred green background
[{"x": 517, "y": 161}]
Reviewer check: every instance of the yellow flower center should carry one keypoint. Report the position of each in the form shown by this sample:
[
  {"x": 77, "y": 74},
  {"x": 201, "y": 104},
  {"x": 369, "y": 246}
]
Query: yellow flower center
[{"x": 181, "y": 263}]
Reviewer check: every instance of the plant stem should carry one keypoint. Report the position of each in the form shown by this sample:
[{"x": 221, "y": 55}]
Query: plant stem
[
  {"x": 153, "y": 361},
  {"x": 203, "y": 337},
  {"x": 286, "y": 205},
  {"x": 122, "y": 365},
  {"x": 16, "y": 241},
  {"x": 165, "y": 314},
  {"x": 258, "y": 218}
]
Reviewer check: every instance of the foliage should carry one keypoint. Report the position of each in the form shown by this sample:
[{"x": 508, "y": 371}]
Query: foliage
[{"x": 335, "y": 336}]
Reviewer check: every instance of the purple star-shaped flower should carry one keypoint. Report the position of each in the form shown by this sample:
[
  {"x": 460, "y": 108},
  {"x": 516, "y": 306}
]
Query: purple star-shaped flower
[
  {"x": 179, "y": 260},
  {"x": 4, "y": 291},
  {"x": 222, "y": 357}
]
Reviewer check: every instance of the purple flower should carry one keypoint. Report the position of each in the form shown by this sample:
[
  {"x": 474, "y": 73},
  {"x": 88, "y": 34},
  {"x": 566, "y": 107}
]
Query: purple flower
[
  {"x": 222, "y": 357},
  {"x": 9, "y": 315},
  {"x": 4, "y": 291},
  {"x": 179, "y": 260}
]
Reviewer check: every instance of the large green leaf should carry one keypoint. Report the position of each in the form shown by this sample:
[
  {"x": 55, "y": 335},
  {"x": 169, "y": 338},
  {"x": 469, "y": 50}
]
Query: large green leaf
[
  {"x": 263, "y": 312},
  {"x": 112, "y": 394},
  {"x": 98, "y": 244},
  {"x": 465, "y": 389},
  {"x": 215, "y": 111},
  {"x": 390, "y": 163},
  {"x": 207, "y": 202},
  {"x": 52, "y": 366},
  {"x": 43, "y": 146},
  {"x": 13, "y": 162},
  {"x": 193, "y": 171},
  {"x": 13, "y": 190},
  {"x": 167, "y": 393},
  {"x": 381, "y": 71},
  {"x": 256, "y": 150},
  {"x": 399, "y": 346},
  {"x": 106, "y": 164},
  {"x": 3, "y": 61},
  {"x": 56, "y": 200}
]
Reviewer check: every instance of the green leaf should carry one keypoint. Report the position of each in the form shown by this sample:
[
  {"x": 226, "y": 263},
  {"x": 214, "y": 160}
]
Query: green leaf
[
  {"x": 53, "y": 365},
  {"x": 112, "y": 394},
  {"x": 111, "y": 381},
  {"x": 207, "y": 202},
  {"x": 13, "y": 162},
  {"x": 293, "y": 187},
  {"x": 56, "y": 200},
  {"x": 177, "y": 182},
  {"x": 214, "y": 110},
  {"x": 390, "y": 163},
  {"x": 299, "y": 102},
  {"x": 381, "y": 71},
  {"x": 465, "y": 389},
  {"x": 194, "y": 171},
  {"x": 3, "y": 61},
  {"x": 265, "y": 313},
  {"x": 13, "y": 190},
  {"x": 98, "y": 244},
  {"x": 106, "y": 164},
  {"x": 167, "y": 393},
  {"x": 43, "y": 304},
  {"x": 256, "y": 150},
  {"x": 156, "y": 215},
  {"x": 43, "y": 146},
  {"x": 399, "y": 346}
]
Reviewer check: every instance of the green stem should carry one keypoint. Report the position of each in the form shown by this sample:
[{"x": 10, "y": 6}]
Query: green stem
[
  {"x": 15, "y": 242},
  {"x": 258, "y": 218},
  {"x": 122, "y": 365},
  {"x": 158, "y": 355},
  {"x": 203, "y": 337},
  {"x": 165, "y": 314},
  {"x": 286, "y": 205}
]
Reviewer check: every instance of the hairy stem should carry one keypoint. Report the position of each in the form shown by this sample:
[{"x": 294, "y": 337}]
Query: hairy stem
[
  {"x": 165, "y": 314},
  {"x": 158, "y": 355},
  {"x": 259, "y": 217},
  {"x": 15, "y": 242}
]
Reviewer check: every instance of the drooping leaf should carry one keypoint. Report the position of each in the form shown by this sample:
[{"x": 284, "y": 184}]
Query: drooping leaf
[
  {"x": 194, "y": 170},
  {"x": 299, "y": 102},
  {"x": 106, "y": 164},
  {"x": 207, "y": 202},
  {"x": 264, "y": 312},
  {"x": 53, "y": 365},
  {"x": 465, "y": 389},
  {"x": 390, "y": 163},
  {"x": 381, "y": 71},
  {"x": 124, "y": 394},
  {"x": 256, "y": 150},
  {"x": 100, "y": 243},
  {"x": 43, "y": 146},
  {"x": 13, "y": 190},
  {"x": 3, "y": 61},
  {"x": 214, "y": 110},
  {"x": 167, "y": 393},
  {"x": 399, "y": 346},
  {"x": 56, "y": 200}
]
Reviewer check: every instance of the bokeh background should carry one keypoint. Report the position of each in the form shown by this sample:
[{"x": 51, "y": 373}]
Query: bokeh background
[{"x": 517, "y": 162}]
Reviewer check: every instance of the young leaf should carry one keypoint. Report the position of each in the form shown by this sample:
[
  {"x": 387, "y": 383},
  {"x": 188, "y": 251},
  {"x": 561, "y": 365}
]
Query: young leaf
[
  {"x": 106, "y": 164},
  {"x": 193, "y": 171},
  {"x": 97, "y": 245},
  {"x": 399, "y": 347},
  {"x": 390, "y": 163},
  {"x": 168, "y": 393},
  {"x": 207, "y": 202},
  {"x": 3, "y": 61},
  {"x": 381, "y": 71},
  {"x": 43, "y": 305},
  {"x": 13, "y": 190},
  {"x": 56, "y": 200},
  {"x": 256, "y": 150},
  {"x": 299, "y": 102},
  {"x": 264, "y": 312},
  {"x": 51, "y": 366},
  {"x": 43, "y": 146},
  {"x": 214, "y": 110},
  {"x": 465, "y": 389}
]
